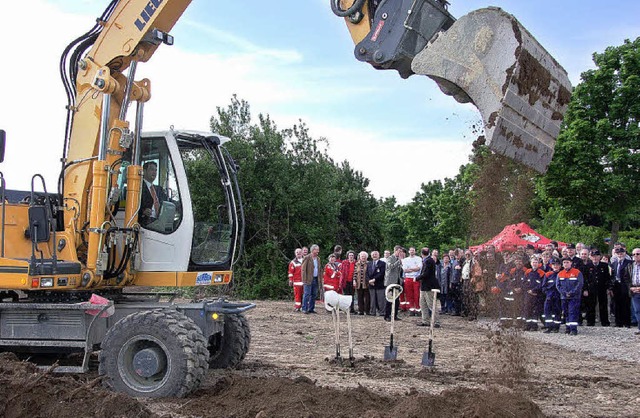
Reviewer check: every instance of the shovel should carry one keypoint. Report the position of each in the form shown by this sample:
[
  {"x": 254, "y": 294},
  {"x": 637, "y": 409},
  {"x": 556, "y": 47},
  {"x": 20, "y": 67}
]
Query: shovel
[
  {"x": 336, "y": 325},
  {"x": 429, "y": 357},
  {"x": 351, "y": 358},
  {"x": 392, "y": 293}
]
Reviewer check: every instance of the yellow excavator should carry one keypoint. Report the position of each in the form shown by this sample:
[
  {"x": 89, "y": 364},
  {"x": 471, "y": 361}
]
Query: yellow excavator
[{"x": 137, "y": 208}]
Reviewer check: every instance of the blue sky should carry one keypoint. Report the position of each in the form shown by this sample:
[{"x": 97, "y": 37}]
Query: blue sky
[{"x": 291, "y": 59}]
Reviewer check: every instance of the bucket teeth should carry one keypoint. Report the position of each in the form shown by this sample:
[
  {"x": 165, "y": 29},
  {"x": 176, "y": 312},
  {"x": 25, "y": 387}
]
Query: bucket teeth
[{"x": 488, "y": 58}]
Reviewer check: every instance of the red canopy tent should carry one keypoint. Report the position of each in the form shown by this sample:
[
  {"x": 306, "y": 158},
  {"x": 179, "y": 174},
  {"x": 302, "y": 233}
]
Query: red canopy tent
[{"x": 513, "y": 236}]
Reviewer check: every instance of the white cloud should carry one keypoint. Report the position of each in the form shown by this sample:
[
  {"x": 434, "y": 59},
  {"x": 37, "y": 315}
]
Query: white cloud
[{"x": 219, "y": 37}]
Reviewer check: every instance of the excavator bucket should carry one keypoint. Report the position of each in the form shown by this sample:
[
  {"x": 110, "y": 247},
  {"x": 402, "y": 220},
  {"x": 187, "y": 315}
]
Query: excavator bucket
[
  {"x": 489, "y": 59},
  {"x": 486, "y": 57}
]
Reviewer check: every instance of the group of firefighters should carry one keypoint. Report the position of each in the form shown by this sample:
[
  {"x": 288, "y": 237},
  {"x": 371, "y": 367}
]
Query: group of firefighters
[{"x": 525, "y": 295}]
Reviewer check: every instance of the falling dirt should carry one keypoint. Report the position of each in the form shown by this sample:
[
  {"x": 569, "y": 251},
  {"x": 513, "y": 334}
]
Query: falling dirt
[{"x": 291, "y": 371}]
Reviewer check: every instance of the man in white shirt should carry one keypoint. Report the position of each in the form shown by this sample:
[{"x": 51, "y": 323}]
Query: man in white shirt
[{"x": 411, "y": 266}]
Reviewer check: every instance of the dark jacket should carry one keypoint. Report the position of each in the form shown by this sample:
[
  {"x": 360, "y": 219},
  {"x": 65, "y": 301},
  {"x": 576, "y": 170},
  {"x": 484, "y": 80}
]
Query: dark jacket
[
  {"x": 549, "y": 285},
  {"x": 427, "y": 277},
  {"x": 533, "y": 280},
  {"x": 629, "y": 277},
  {"x": 375, "y": 271},
  {"x": 599, "y": 276},
  {"x": 623, "y": 277},
  {"x": 146, "y": 202}
]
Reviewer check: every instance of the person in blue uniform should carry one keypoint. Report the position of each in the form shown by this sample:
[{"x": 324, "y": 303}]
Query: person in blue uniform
[
  {"x": 552, "y": 306},
  {"x": 533, "y": 298},
  {"x": 569, "y": 283}
]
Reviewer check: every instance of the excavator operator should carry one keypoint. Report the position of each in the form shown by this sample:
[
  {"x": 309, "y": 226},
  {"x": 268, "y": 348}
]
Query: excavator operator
[{"x": 152, "y": 195}]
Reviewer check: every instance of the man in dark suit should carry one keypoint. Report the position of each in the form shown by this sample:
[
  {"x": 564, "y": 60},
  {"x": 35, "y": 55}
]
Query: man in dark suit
[
  {"x": 599, "y": 279},
  {"x": 375, "y": 276},
  {"x": 152, "y": 196},
  {"x": 428, "y": 281},
  {"x": 621, "y": 281}
]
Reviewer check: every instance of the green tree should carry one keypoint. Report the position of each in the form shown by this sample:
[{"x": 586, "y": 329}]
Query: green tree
[
  {"x": 391, "y": 220},
  {"x": 294, "y": 195},
  {"x": 594, "y": 175},
  {"x": 438, "y": 216}
]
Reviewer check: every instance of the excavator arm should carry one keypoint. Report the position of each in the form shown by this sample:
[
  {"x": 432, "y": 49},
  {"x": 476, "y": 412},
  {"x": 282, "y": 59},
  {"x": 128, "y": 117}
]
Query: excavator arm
[
  {"x": 486, "y": 57},
  {"x": 129, "y": 32}
]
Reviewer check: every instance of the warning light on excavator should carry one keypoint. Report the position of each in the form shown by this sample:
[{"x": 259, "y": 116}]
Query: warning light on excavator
[{"x": 215, "y": 316}]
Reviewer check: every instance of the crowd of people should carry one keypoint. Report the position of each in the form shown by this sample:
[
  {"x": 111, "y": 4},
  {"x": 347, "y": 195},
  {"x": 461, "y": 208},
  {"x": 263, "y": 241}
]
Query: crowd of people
[{"x": 529, "y": 288}]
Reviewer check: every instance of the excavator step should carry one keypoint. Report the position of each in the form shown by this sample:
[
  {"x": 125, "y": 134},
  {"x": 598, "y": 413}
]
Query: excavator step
[{"x": 488, "y": 58}]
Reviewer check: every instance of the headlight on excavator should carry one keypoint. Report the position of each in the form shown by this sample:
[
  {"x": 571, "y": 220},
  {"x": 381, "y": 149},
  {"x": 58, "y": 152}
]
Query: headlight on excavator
[{"x": 46, "y": 282}]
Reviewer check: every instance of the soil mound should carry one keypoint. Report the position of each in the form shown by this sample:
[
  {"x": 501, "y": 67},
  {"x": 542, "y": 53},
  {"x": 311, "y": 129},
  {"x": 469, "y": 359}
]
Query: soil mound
[
  {"x": 26, "y": 391},
  {"x": 238, "y": 396}
]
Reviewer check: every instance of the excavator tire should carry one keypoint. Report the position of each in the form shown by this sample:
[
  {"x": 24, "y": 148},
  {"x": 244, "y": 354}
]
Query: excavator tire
[
  {"x": 228, "y": 350},
  {"x": 156, "y": 353},
  {"x": 247, "y": 335}
]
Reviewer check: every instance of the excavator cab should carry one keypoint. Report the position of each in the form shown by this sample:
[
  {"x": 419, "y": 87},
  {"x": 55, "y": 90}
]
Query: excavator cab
[{"x": 196, "y": 220}]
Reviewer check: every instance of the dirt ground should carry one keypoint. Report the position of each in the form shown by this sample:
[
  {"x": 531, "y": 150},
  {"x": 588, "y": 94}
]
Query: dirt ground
[{"x": 291, "y": 371}]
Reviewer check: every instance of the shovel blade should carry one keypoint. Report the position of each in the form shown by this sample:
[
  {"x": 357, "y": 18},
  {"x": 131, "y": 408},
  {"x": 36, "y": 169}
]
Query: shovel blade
[
  {"x": 390, "y": 353},
  {"x": 428, "y": 359}
]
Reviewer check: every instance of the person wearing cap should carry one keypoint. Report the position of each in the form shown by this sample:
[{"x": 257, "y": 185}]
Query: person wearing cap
[
  {"x": 533, "y": 297},
  {"x": 576, "y": 262},
  {"x": 502, "y": 294},
  {"x": 569, "y": 283},
  {"x": 588, "y": 290},
  {"x": 331, "y": 276},
  {"x": 620, "y": 288},
  {"x": 552, "y": 307},
  {"x": 600, "y": 279},
  {"x": 516, "y": 287}
]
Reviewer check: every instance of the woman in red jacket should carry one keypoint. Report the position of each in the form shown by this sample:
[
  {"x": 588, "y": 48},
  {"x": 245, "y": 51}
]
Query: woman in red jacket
[{"x": 331, "y": 277}]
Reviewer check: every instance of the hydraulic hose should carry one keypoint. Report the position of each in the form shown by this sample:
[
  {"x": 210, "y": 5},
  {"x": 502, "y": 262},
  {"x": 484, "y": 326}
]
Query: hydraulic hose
[{"x": 338, "y": 11}]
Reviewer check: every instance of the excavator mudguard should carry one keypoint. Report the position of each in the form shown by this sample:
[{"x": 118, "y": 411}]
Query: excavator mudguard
[{"x": 488, "y": 58}]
